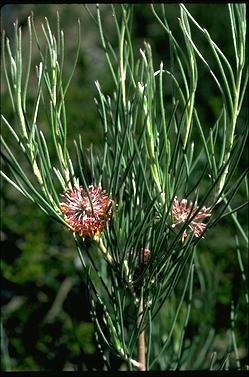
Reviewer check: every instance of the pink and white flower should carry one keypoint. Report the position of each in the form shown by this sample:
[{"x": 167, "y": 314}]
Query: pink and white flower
[
  {"x": 180, "y": 214},
  {"x": 87, "y": 218}
]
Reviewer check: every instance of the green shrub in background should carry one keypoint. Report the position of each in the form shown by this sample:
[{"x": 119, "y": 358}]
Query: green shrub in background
[{"x": 181, "y": 348}]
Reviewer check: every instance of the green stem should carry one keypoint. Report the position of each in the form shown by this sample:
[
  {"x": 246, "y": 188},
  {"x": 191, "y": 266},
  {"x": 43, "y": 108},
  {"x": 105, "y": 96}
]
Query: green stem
[
  {"x": 103, "y": 249},
  {"x": 231, "y": 134},
  {"x": 122, "y": 72}
]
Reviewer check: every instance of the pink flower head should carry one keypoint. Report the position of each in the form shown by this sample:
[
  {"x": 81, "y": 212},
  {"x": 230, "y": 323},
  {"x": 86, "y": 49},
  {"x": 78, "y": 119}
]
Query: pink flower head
[
  {"x": 86, "y": 218},
  {"x": 180, "y": 213},
  {"x": 145, "y": 257}
]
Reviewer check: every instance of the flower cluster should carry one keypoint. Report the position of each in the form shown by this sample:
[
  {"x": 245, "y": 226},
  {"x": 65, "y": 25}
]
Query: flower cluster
[
  {"x": 87, "y": 216},
  {"x": 180, "y": 213}
]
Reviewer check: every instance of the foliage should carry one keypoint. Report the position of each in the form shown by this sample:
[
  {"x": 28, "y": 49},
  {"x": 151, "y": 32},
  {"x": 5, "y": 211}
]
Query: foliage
[{"x": 155, "y": 146}]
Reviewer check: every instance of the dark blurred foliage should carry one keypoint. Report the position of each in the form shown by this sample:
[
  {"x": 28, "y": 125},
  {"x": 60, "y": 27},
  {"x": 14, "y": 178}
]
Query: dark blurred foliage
[{"x": 46, "y": 323}]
